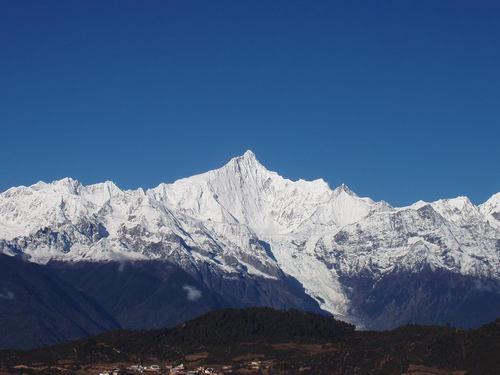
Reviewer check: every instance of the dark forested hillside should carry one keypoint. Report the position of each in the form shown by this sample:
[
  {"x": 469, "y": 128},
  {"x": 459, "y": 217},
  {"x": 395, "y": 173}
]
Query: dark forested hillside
[{"x": 287, "y": 342}]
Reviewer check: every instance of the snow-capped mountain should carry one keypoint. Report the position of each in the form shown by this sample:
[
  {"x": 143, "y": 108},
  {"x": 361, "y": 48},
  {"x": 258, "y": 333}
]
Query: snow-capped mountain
[{"x": 242, "y": 220}]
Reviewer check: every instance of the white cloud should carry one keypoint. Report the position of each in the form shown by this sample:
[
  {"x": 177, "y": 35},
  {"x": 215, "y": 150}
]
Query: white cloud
[
  {"x": 192, "y": 293},
  {"x": 6, "y": 294},
  {"x": 121, "y": 267}
]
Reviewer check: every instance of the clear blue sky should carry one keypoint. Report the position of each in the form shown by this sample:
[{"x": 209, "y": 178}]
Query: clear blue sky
[{"x": 398, "y": 99}]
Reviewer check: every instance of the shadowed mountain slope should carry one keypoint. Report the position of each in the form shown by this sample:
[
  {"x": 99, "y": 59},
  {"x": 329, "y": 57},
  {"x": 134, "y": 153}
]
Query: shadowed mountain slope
[{"x": 38, "y": 308}]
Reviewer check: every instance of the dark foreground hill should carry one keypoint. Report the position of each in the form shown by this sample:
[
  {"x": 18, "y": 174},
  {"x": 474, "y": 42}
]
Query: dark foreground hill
[{"x": 282, "y": 342}]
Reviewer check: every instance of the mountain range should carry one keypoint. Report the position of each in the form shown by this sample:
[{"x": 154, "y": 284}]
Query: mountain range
[{"x": 240, "y": 236}]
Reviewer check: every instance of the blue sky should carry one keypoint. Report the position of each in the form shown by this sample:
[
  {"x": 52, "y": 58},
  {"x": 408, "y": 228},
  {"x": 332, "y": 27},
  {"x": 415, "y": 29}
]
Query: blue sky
[{"x": 398, "y": 99}]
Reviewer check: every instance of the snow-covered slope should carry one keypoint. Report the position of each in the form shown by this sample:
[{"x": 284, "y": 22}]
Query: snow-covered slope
[
  {"x": 491, "y": 210},
  {"x": 244, "y": 219}
]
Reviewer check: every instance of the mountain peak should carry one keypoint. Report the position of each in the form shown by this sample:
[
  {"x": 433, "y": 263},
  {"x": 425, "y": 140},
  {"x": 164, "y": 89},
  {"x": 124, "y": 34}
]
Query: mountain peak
[
  {"x": 343, "y": 188},
  {"x": 67, "y": 183},
  {"x": 249, "y": 154},
  {"x": 247, "y": 160},
  {"x": 494, "y": 199}
]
